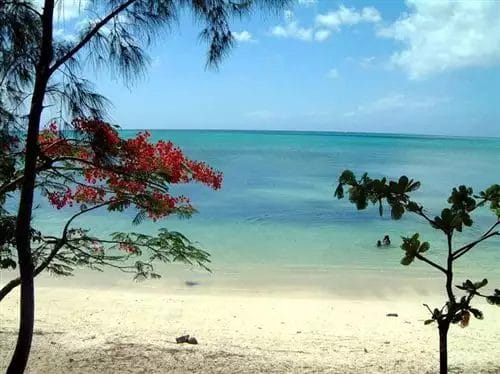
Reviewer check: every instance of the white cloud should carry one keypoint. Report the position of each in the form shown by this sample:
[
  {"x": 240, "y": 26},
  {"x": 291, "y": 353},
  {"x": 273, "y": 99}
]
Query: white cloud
[
  {"x": 62, "y": 34},
  {"x": 443, "y": 35},
  {"x": 325, "y": 24},
  {"x": 347, "y": 16},
  {"x": 322, "y": 35},
  {"x": 67, "y": 9},
  {"x": 292, "y": 29},
  {"x": 397, "y": 102},
  {"x": 243, "y": 36},
  {"x": 333, "y": 73},
  {"x": 307, "y": 3}
]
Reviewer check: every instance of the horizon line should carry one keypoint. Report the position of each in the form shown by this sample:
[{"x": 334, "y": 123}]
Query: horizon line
[{"x": 314, "y": 132}]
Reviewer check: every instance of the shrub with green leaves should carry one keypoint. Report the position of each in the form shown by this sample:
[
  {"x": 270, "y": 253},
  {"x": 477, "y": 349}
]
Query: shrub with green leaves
[{"x": 457, "y": 216}]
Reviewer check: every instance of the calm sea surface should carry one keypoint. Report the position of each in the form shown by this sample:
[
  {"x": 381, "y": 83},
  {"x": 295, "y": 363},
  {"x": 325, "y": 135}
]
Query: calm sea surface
[{"x": 276, "y": 212}]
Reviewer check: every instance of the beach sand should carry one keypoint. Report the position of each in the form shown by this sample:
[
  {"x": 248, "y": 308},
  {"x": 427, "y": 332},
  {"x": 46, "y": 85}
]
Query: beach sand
[{"x": 133, "y": 330}]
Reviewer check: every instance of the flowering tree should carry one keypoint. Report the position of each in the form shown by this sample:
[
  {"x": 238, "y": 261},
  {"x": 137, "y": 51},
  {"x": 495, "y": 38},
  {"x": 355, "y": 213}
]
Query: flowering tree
[
  {"x": 38, "y": 69},
  {"x": 92, "y": 167},
  {"x": 452, "y": 220}
]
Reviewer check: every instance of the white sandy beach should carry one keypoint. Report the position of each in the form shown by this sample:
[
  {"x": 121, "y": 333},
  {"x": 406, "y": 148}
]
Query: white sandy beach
[{"x": 133, "y": 330}]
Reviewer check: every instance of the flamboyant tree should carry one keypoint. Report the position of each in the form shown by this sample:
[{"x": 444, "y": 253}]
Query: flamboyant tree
[
  {"x": 451, "y": 221},
  {"x": 37, "y": 69},
  {"x": 91, "y": 167}
]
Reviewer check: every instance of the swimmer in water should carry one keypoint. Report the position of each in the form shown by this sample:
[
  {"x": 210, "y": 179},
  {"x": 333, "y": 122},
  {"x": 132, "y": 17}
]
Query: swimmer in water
[{"x": 387, "y": 240}]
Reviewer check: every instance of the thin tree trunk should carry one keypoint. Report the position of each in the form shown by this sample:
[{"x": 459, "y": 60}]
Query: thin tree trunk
[
  {"x": 23, "y": 224},
  {"x": 443, "y": 347}
]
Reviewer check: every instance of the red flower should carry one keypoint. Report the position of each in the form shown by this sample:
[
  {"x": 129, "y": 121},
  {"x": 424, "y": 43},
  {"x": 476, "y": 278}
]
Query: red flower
[{"x": 133, "y": 171}]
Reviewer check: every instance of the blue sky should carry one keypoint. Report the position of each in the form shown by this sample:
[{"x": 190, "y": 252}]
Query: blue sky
[{"x": 425, "y": 67}]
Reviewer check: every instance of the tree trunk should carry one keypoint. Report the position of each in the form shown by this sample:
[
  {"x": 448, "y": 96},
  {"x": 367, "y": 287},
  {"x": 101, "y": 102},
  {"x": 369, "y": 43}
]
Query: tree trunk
[
  {"x": 23, "y": 223},
  {"x": 443, "y": 347}
]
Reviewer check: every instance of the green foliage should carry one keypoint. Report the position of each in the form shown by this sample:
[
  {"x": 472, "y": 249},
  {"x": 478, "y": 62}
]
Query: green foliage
[
  {"x": 472, "y": 287},
  {"x": 134, "y": 253},
  {"x": 495, "y": 298},
  {"x": 8, "y": 240},
  {"x": 7, "y": 228},
  {"x": 375, "y": 191},
  {"x": 167, "y": 246},
  {"x": 412, "y": 248},
  {"x": 491, "y": 195},
  {"x": 453, "y": 218},
  {"x": 396, "y": 194}
]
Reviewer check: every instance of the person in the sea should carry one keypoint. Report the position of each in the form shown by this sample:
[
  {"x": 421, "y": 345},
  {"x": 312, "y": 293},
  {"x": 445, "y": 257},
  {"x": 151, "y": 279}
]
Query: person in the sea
[
  {"x": 379, "y": 243},
  {"x": 387, "y": 240}
]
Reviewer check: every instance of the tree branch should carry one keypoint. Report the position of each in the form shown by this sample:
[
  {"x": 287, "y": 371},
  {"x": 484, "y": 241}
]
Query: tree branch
[
  {"x": 466, "y": 248},
  {"x": 57, "y": 246},
  {"x": 433, "y": 264},
  {"x": 430, "y": 220},
  {"x": 66, "y": 227},
  {"x": 89, "y": 36}
]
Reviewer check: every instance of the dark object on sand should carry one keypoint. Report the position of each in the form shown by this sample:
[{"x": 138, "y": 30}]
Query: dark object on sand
[
  {"x": 391, "y": 315},
  {"x": 186, "y": 339},
  {"x": 191, "y": 283},
  {"x": 182, "y": 339}
]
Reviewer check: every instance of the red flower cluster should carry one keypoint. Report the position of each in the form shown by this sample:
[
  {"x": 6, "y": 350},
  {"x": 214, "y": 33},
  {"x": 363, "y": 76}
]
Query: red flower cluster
[
  {"x": 133, "y": 171},
  {"x": 100, "y": 131},
  {"x": 87, "y": 194},
  {"x": 81, "y": 195},
  {"x": 129, "y": 248},
  {"x": 60, "y": 199}
]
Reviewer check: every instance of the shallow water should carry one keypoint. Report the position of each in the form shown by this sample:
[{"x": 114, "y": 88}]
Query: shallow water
[{"x": 276, "y": 212}]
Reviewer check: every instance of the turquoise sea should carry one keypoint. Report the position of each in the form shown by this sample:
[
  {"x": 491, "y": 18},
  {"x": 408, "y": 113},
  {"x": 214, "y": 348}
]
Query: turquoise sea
[{"x": 276, "y": 222}]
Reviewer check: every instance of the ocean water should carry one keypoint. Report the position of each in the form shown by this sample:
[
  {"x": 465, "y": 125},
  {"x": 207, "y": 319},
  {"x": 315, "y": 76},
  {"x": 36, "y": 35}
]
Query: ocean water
[{"x": 276, "y": 218}]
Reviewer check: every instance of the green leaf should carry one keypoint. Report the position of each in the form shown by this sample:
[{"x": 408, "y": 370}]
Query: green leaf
[
  {"x": 494, "y": 299},
  {"x": 476, "y": 313},
  {"x": 412, "y": 207},
  {"x": 447, "y": 216},
  {"x": 424, "y": 247},
  {"x": 347, "y": 177},
  {"x": 339, "y": 192},
  {"x": 403, "y": 181},
  {"x": 6, "y": 263},
  {"x": 413, "y": 186},
  {"x": 428, "y": 321},
  {"x": 478, "y": 285},
  {"x": 139, "y": 218},
  {"x": 397, "y": 211},
  {"x": 407, "y": 260}
]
